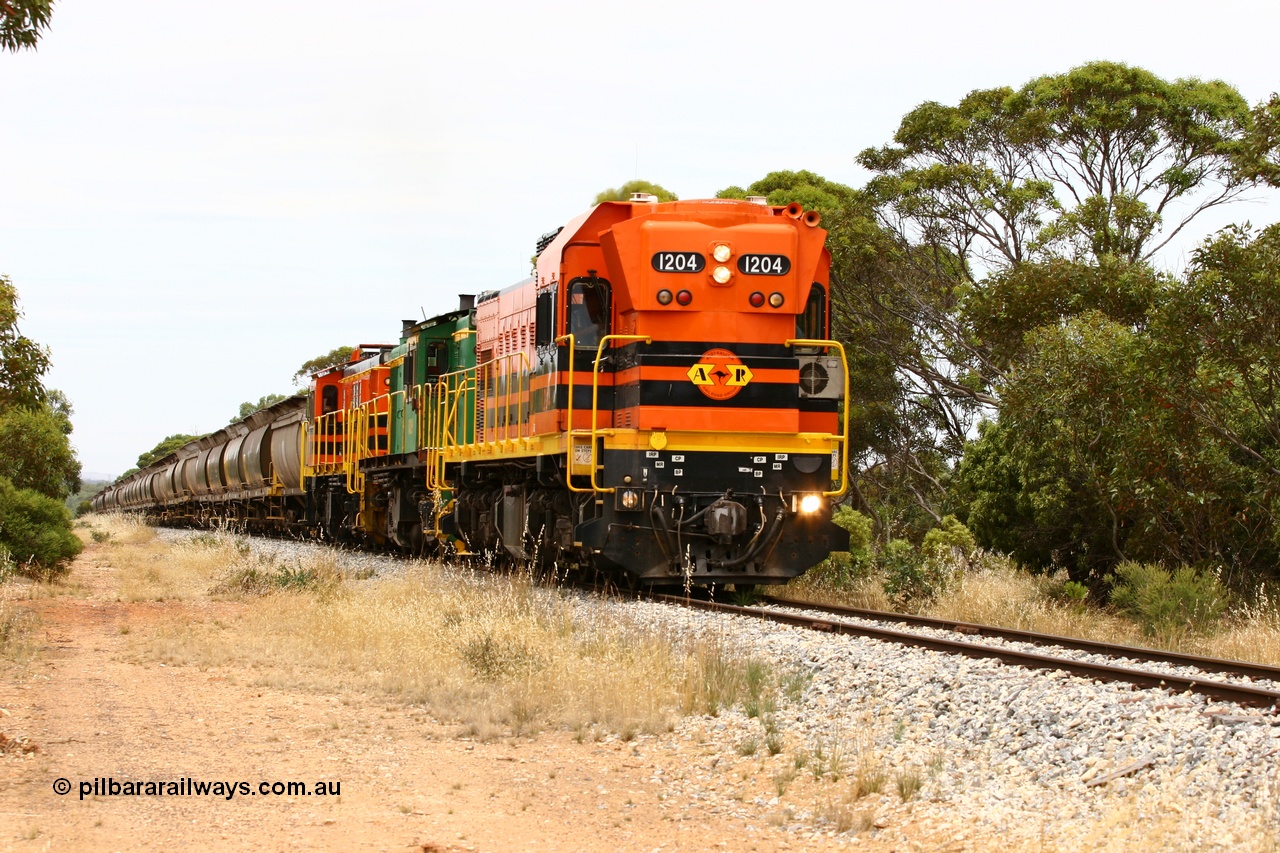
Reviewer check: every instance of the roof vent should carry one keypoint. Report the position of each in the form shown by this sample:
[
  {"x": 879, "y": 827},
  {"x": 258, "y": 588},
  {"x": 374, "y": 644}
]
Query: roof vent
[
  {"x": 644, "y": 198},
  {"x": 757, "y": 199}
]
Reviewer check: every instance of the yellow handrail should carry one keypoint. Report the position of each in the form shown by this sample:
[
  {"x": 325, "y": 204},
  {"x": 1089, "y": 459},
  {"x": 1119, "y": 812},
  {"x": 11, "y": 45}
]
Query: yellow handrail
[
  {"x": 595, "y": 402},
  {"x": 302, "y": 456},
  {"x": 568, "y": 478},
  {"x": 843, "y": 438}
]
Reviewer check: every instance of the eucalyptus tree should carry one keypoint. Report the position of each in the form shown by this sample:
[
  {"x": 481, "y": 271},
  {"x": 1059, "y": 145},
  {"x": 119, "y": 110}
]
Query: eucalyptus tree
[{"x": 21, "y": 22}]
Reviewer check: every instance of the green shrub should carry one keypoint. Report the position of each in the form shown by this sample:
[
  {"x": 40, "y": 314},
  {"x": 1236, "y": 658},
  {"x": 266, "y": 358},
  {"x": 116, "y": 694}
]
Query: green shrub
[
  {"x": 1066, "y": 591},
  {"x": 907, "y": 577},
  {"x": 859, "y": 526},
  {"x": 37, "y": 454},
  {"x": 951, "y": 540},
  {"x": 842, "y": 568},
  {"x": 1168, "y": 603},
  {"x": 36, "y": 531}
]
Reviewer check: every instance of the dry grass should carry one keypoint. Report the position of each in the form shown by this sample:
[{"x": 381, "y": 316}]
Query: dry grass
[
  {"x": 865, "y": 592},
  {"x": 114, "y": 528},
  {"x": 17, "y": 630},
  {"x": 495, "y": 653},
  {"x": 154, "y": 570}
]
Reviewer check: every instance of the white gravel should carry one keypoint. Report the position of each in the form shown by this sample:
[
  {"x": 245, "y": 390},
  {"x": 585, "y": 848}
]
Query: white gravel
[{"x": 1010, "y": 751}]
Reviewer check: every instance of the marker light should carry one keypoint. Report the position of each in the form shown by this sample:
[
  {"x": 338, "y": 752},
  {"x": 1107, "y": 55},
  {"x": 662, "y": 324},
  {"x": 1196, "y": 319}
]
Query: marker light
[
  {"x": 722, "y": 275},
  {"x": 775, "y": 299},
  {"x": 721, "y": 253},
  {"x": 756, "y": 299},
  {"x": 684, "y": 297},
  {"x": 810, "y": 503},
  {"x": 664, "y": 297}
]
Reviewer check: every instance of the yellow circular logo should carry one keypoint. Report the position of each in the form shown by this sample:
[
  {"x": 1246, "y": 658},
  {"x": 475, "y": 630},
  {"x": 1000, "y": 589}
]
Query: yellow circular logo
[{"x": 719, "y": 374}]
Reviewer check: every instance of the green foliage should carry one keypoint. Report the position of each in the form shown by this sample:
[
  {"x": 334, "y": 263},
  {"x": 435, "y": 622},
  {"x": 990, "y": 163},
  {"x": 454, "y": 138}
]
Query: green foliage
[
  {"x": 1261, "y": 151},
  {"x": 859, "y": 527},
  {"x": 248, "y": 408},
  {"x": 167, "y": 445},
  {"x": 35, "y": 530},
  {"x": 1014, "y": 210},
  {"x": 87, "y": 491},
  {"x": 23, "y": 362},
  {"x": 950, "y": 541},
  {"x": 1152, "y": 439},
  {"x": 1069, "y": 592},
  {"x": 37, "y": 454},
  {"x": 1015, "y": 302},
  {"x": 21, "y": 22},
  {"x": 908, "y": 577},
  {"x": 842, "y": 568},
  {"x": 623, "y": 193},
  {"x": 335, "y": 356},
  {"x": 1168, "y": 603},
  {"x": 1090, "y": 163},
  {"x": 809, "y": 189}
]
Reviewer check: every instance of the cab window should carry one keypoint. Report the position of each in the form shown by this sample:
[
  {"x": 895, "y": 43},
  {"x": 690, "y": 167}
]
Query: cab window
[
  {"x": 813, "y": 322},
  {"x": 588, "y": 311}
]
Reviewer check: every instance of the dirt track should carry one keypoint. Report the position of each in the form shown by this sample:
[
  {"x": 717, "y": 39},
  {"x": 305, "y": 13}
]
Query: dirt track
[{"x": 407, "y": 782}]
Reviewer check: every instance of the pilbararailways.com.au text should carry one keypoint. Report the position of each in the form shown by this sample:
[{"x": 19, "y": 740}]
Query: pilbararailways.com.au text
[{"x": 188, "y": 787}]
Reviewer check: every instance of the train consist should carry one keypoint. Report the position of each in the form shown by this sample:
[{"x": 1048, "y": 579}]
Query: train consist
[{"x": 661, "y": 401}]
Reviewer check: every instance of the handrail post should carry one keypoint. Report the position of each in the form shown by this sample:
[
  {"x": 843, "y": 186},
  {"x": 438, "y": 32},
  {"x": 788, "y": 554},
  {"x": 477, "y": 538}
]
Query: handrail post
[
  {"x": 843, "y": 438},
  {"x": 595, "y": 400},
  {"x": 568, "y": 479},
  {"x": 302, "y": 455}
]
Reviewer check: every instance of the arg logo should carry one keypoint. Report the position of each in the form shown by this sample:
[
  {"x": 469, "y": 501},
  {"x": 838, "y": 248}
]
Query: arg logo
[{"x": 719, "y": 374}]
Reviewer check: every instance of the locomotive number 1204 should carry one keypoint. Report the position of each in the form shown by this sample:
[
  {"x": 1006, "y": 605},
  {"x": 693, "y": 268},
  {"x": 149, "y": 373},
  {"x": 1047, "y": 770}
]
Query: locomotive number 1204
[{"x": 679, "y": 262}]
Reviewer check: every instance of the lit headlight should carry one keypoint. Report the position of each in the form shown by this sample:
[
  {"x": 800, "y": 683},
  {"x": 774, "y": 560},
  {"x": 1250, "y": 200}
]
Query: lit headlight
[
  {"x": 722, "y": 275},
  {"x": 810, "y": 503},
  {"x": 630, "y": 498},
  {"x": 721, "y": 253}
]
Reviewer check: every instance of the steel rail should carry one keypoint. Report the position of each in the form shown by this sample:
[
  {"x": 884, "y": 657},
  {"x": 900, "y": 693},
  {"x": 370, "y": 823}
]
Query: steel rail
[
  {"x": 1240, "y": 693},
  {"x": 1220, "y": 665}
]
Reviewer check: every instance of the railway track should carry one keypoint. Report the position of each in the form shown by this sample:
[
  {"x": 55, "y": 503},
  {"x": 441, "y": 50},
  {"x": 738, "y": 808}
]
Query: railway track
[{"x": 841, "y": 620}]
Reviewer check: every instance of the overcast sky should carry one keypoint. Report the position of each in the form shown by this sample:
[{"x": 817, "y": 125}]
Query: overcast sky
[{"x": 196, "y": 198}]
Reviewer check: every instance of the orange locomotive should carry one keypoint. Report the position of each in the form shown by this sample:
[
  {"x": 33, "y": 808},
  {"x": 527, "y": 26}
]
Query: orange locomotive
[{"x": 661, "y": 400}]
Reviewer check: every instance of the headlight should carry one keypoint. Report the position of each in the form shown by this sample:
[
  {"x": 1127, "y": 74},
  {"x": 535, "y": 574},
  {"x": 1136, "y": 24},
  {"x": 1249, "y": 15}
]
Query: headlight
[
  {"x": 722, "y": 275},
  {"x": 810, "y": 503},
  {"x": 721, "y": 253},
  {"x": 630, "y": 499}
]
